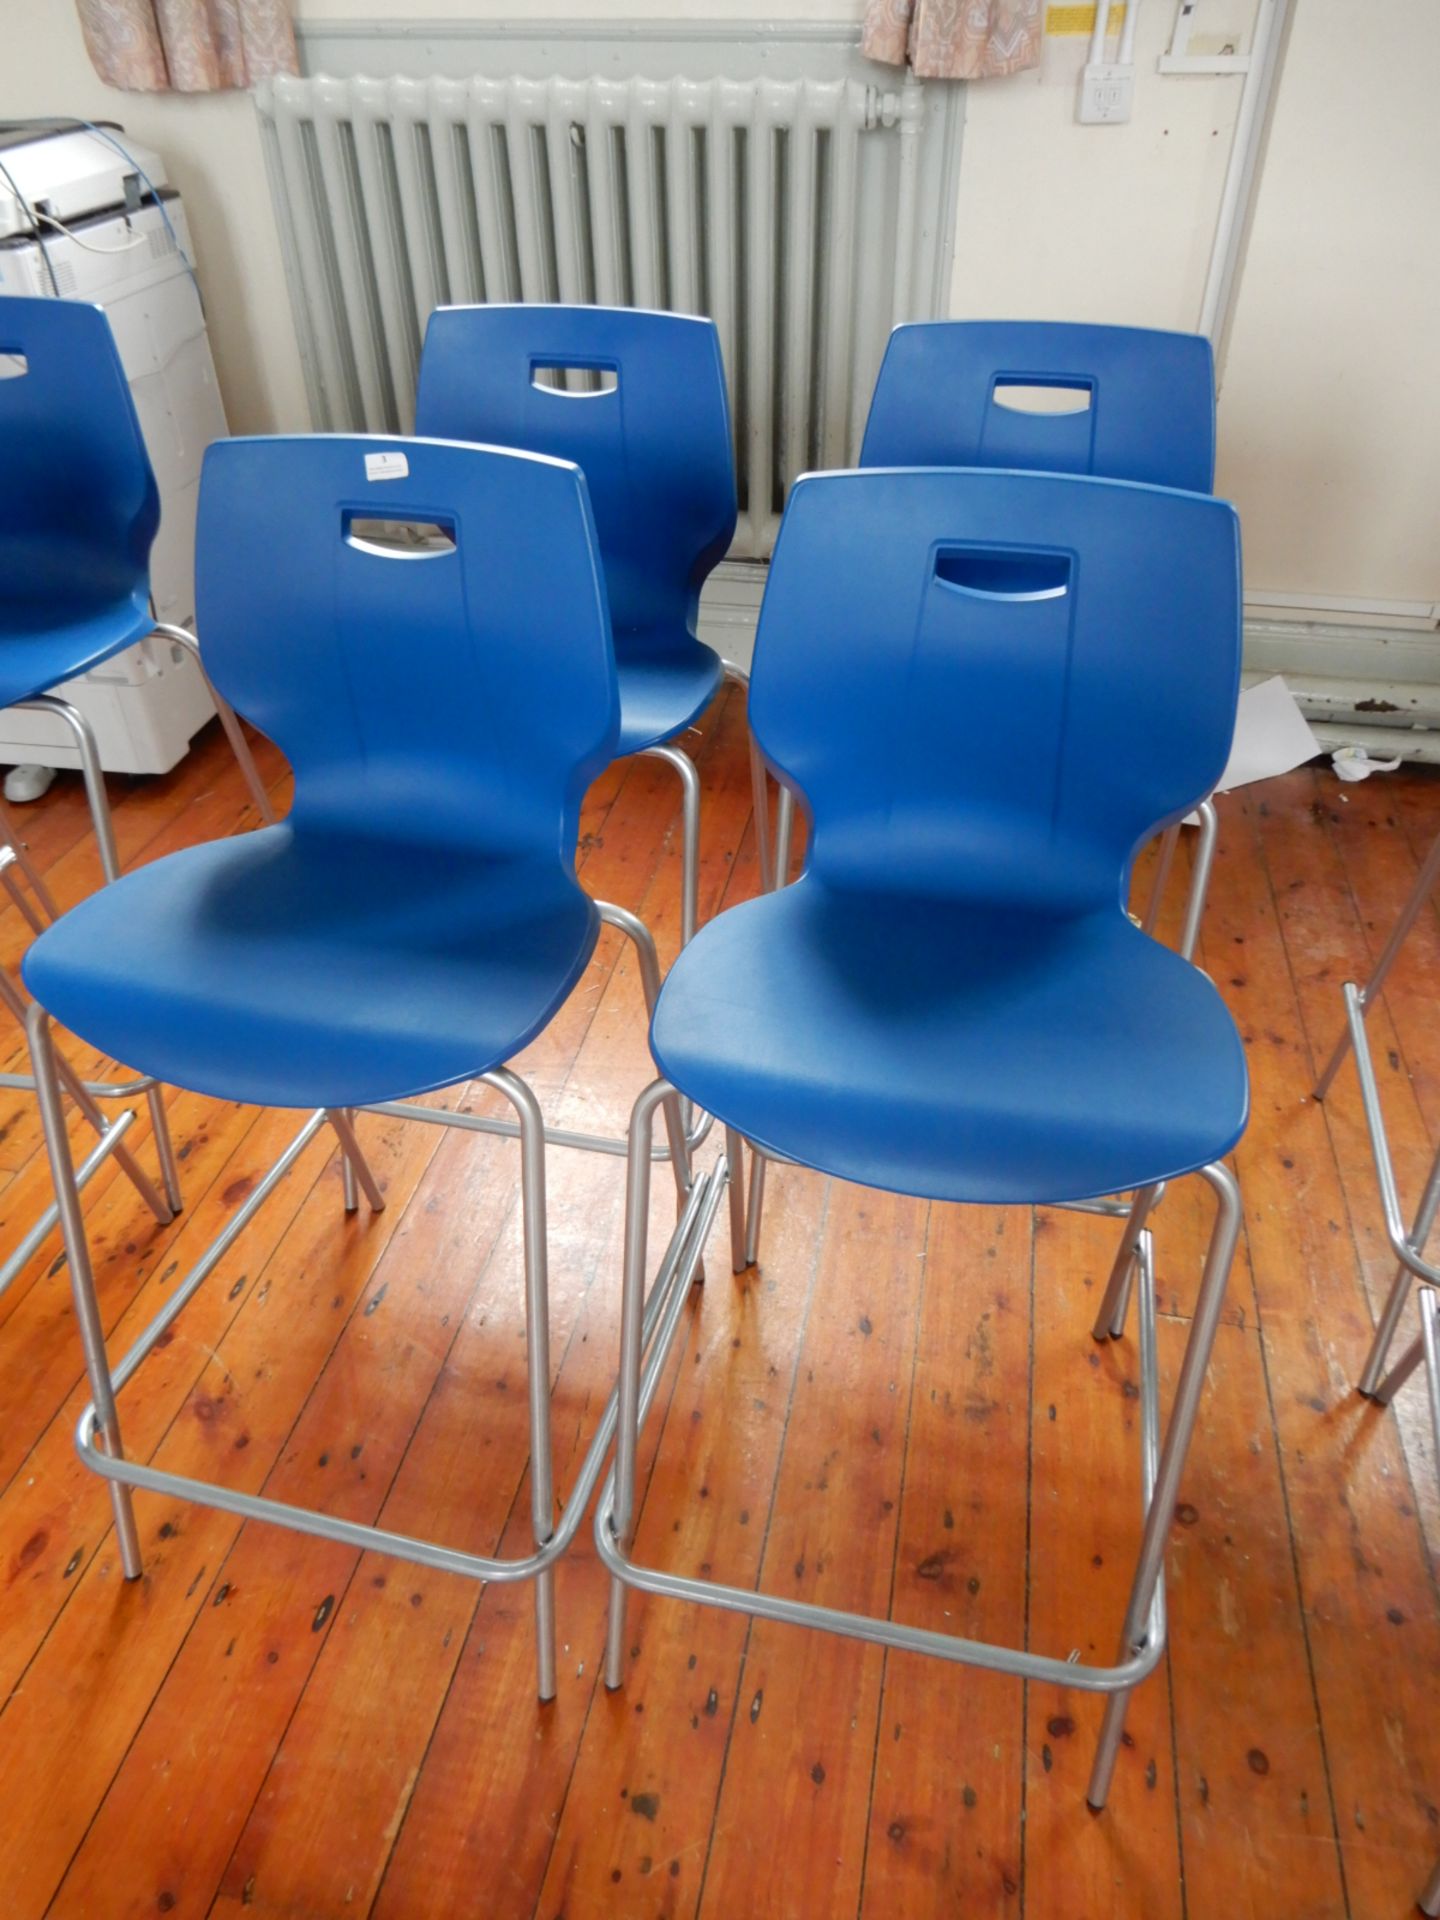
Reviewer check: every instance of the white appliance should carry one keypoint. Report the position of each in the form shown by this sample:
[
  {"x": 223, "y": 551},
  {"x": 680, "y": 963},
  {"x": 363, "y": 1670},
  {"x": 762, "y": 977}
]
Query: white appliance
[{"x": 146, "y": 703}]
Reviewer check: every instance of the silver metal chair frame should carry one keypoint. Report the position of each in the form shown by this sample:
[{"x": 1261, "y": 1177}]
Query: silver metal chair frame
[
  {"x": 1408, "y": 1246},
  {"x": 98, "y": 1433},
  {"x": 684, "y": 768},
  {"x": 14, "y": 861},
  {"x": 642, "y": 1360}
]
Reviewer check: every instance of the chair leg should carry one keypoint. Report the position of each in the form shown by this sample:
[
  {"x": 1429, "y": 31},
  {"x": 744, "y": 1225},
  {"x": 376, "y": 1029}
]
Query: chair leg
[
  {"x": 164, "y": 1147},
  {"x": 234, "y": 732},
  {"x": 758, "y": 1164},
  {"x": 94, "y": 777},
  {"x": 1161, "y": 1511},
  {"x": 82, "y": 1278},
  {"x": 1110, "y": 1321},
  {"x": 1200, "y": 877},
  {"x": 684, "y": 766},
  {"x": 759, "y": 789},
  {"x": 735, "y": 1177},
  {"x": 643, "y": 941},
  {"x": 537, "y": 1346},
  {"x": 1428, "y": 877},
  {"x": 1169, "y": 840},
  {"x": 1400, "y": 1292},
  {"x": 31, "y": 872},
  {"x": 784, "y": 834},
  {"x": 355, "y": 1167},
  {"x": 12, "y": 997},
  {"x": 632, "y": 1316}
]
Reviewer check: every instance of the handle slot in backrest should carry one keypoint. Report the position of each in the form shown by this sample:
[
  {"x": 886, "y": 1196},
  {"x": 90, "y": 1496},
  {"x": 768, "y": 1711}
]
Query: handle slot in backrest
[
  {"x": 1042, "y": 393},
  {"x": 577, "y": 379},
  {"x": 13, "y": 364},
  {"x": 1004, "y": 573},
  {"x": 399, "y": 537}
]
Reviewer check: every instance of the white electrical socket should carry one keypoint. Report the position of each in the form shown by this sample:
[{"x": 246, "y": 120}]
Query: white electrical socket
[{"x": 1107, "y": 93}]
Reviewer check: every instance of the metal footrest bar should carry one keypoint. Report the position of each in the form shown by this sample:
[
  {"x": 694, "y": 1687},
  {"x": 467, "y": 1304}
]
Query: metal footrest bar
[
  {"x": 49, "y": 1219},
  {"x": 97, "y": 1089},
  {"x": 1070, "y": 1672},
  {"x": 554, "y": 1136},
  {"x": 674, "y": 1280}
]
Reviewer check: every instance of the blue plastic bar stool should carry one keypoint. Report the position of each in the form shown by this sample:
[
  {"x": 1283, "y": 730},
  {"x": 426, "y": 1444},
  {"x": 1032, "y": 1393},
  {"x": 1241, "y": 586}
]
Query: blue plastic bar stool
[
  {"x": 416, "y": 920},
  {"x": 78, "y": 512},
  {"x": 638, "y": 401},
  {"x": 951, "y": 1001},
  {"x": 1118, "y": 403}
]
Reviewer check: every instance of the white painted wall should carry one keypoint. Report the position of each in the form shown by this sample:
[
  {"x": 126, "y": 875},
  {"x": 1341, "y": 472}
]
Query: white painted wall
[
  {"x": 1335, "y": 462},
  {"x": 1330, "y": 399}
]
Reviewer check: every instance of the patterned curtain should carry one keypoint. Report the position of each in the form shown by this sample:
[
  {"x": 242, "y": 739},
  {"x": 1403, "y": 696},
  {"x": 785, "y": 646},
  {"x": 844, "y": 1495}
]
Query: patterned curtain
[
  {"x": 954, "y": 39},
  {"x": 188, "y": 46}
]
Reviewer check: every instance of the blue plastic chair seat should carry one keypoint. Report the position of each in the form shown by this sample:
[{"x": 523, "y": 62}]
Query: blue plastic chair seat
[
  {"x": 309, "y": 971},
  {"x": 666, "y": 683},
  {"x": 78, "y": 502},
  {"x": 46, "y": 641},
  {"x": 950, "y": 1050}
]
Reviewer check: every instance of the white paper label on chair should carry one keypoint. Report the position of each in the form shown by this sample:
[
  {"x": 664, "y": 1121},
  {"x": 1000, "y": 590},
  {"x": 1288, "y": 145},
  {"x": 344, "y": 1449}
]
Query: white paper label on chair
[{"x": 386, "y": 466}]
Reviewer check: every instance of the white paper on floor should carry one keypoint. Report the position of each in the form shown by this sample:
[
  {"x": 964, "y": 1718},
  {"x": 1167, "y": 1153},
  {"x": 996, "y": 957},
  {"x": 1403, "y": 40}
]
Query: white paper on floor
[{"x": 1272, "y": 736}]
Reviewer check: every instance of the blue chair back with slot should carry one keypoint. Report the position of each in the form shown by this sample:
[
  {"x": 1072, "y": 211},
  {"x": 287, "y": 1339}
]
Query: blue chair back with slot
[
  {"x": 78, "y": 503},
  {"x": 957, "y": 670},
  {"x": 459, "y": 692},
  {"x": 1141, "y": 402},
  {"x": 655, "y": 448}
]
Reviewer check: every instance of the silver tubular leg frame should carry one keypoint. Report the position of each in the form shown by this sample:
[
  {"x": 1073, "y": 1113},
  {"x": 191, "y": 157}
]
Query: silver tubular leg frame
[
  {"x": 1161, "y": 1508},
  {"x": 784, "y": 835},
  {"x": 105, "y": 1420},
  {"x": 1370, "y": 1380},
  {"x": 95, "y": 794},
  {"x": 99, "y": 803},
  {"x": 97, "y": 1435},
  {"x": 20, "y": 854},
  {"x": 1428, "y": 877},
  {"x": 1110, "y": 1321},
  {"x": 12, "y": 997},
  {"x": 353, "y": 1162},
  {"x": 740, "y": 1255},
  {"x": 636, "y": 931},
  {"x": 234, "y": 733},
  {"x": 1430, "y": 1343},
  {"x": 641, "y": 1366},
  {"x": 689, "y": 778},
  {"x": 1169, "y": 841},
  {"x": 759, "y": 791},
  {"x": 1408, "y": 1248},
  {"x": 1209, "y": 833}
]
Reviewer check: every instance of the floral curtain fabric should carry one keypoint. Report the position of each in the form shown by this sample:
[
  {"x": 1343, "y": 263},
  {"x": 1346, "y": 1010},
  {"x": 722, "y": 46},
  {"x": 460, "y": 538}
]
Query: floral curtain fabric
[
  {"x": 954, "y": 39},
  {"x": 187, "y": 46}
]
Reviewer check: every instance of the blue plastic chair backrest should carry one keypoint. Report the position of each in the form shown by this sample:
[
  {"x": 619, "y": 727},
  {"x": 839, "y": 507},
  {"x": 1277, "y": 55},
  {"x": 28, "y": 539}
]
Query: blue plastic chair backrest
[
  {"x": 958, "y": 671},
  {"x": 78, "y": 502},
  {"x": 1139, "y": 404},
  {"x": 655, "y": 448},
  {"x": 461, "y": 694}
]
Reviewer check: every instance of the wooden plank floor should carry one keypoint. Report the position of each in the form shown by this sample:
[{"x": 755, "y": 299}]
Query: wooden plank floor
[{"x": 900, "y": 1408}]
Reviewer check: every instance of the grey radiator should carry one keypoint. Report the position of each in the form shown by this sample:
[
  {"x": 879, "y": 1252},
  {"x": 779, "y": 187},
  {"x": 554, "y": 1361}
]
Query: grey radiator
[{"x": 785, "y": 208}]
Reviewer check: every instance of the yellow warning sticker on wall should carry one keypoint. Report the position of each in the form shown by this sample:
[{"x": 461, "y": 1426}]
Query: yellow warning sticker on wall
[{"x": 1080, "y": 19}]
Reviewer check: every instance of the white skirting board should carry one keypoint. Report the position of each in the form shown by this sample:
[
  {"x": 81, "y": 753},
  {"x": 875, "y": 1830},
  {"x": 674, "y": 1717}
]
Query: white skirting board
[{"x": 1361, "y": 686}]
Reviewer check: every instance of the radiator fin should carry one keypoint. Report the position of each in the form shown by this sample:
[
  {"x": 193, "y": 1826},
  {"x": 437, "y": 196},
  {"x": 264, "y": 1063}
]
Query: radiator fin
[{"x": 740, "y": 199}]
